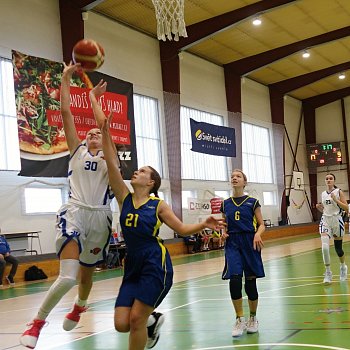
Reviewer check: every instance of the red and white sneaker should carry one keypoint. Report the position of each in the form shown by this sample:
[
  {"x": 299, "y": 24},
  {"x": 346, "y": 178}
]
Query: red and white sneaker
[
  {"x": 73, "y": 317},
  {"x": 30, "y": 336}
]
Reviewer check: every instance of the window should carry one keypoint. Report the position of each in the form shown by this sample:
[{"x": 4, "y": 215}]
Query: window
[
  {"x": 9, "y": 156},
  {"x": 199, "y": 165},
  {"x": 269, "y": 198},
  {"x": 185, "y": 196},
  {"x": 256, "y": 153},
  {"x": 147, "y": 132},
  {"x": 39, "y": 200},
  {"x": 222, "y": 194}
]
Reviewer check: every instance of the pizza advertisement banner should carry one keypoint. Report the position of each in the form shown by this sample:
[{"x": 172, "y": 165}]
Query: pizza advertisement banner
[{"x": 42, "y": 142}]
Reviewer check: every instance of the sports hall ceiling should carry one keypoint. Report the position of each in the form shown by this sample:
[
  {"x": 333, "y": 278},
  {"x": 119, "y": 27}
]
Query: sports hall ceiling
[{"x": 221, "y": 31}]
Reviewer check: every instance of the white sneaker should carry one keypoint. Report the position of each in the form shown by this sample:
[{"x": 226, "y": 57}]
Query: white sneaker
[
  {"x": 239, "y": 327},
  {"x": 252, "y": 325},
  {"x": 343, "y": 272},
  {"x": 153, "y": 331},
  {"x": 327, "y": 277}
]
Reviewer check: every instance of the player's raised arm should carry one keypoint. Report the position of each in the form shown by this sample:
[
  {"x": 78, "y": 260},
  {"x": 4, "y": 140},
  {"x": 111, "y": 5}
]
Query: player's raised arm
[
  {"x": 115, "y": 178},
  {"x": 70, "y": 131}
]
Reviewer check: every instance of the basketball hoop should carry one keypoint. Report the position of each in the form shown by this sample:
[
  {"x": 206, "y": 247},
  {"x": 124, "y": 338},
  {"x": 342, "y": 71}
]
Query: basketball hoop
[{"x": 170, "y": 19}]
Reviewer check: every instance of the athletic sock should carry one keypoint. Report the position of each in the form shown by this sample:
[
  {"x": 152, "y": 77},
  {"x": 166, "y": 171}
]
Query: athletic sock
[{"x": 80, "y": 302}]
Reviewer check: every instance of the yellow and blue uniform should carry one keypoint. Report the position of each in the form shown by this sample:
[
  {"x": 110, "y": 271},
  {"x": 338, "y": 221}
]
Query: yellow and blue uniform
[
  {"x": 240, "y": 255},
  {"x": 148, "y": 271}
]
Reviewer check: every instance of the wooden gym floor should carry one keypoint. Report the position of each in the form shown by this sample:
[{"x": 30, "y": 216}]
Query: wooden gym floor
[{"x": 296, "y": 311}]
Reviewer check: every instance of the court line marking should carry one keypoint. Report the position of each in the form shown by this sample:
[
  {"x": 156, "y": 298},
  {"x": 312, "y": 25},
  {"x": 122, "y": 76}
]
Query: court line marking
[
  {"x": 200, "y": 300},
  {"x": 211, "y": 348},
  {"x": 317, "y": 346}
]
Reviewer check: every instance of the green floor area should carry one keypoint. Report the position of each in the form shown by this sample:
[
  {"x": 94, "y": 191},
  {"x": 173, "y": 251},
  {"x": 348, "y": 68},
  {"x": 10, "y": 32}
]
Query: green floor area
[
  {"x": 295, "y": 308},
  {"x": 296, "y": 311}
]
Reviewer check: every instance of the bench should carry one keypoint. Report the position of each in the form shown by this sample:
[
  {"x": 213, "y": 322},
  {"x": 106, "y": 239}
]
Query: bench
[{"x": 47, "y": 262}]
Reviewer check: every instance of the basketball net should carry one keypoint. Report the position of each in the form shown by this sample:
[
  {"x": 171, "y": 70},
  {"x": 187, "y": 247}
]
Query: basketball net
[{"x": 170, "y": 19}]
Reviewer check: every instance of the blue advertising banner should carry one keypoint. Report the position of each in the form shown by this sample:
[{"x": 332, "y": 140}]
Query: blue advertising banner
[{"x": 213, "y": 139}]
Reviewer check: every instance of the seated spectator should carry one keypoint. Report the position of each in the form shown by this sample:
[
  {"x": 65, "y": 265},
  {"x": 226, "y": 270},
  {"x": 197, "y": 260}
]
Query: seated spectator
[
  {"x": 6, "y": 257},
  {"x": 197, "y": 244},
  {"x": 217, "y": 237},
  {"x": 117, "y": 250},
  {"x": 206, "y": 237}
]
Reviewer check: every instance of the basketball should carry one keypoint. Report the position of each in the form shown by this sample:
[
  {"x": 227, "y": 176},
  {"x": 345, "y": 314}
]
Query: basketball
[{"x": 89, "y": 54}]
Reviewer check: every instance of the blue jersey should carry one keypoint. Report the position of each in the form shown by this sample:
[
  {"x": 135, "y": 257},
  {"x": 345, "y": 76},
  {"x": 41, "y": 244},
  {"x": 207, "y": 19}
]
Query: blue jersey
[
  {"x": 140, "y": 226},
  {"x": 240, "y": 255},
  {"x": 4, "y": 246},
  {"x": 240, "y": 215},
  {"x": 148, "y": 272}
]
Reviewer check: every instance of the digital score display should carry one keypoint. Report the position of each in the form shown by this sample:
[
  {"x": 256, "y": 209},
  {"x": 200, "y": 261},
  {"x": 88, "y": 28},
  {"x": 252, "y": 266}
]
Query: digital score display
[{"x": 324, "y": 154}]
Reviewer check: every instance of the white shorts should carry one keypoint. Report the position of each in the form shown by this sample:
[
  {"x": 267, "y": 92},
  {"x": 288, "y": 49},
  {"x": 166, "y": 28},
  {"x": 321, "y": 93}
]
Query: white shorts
[
  {"x": 89, "y": 227},
  {"x": 332, "y": 225}
]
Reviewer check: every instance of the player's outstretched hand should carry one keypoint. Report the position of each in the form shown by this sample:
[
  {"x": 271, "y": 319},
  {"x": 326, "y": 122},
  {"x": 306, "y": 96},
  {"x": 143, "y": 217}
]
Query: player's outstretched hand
[
  {"x": 215, "y": 223},
  {"x": 99, "y": 89},
  {"x": 69, "y": 69}
]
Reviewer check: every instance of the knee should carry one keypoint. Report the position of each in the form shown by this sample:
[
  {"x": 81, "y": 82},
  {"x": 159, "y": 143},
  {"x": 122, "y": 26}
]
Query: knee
[
  {"x": 338, "y": 246},
  {"x": 137, "y": 321},
  {"x": 121, "y": 327},
  {"x": 251, "y": 289},
  {"x": 325, "y": 241},
  {"x": 66, "y": 282},
  {"x": 236, "y": 287}
]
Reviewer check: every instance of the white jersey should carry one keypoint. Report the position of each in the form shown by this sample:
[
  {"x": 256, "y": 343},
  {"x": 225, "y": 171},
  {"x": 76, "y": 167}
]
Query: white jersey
[
  {"x": 88, "y": 179},
  {"x": 330, "y": 207}
]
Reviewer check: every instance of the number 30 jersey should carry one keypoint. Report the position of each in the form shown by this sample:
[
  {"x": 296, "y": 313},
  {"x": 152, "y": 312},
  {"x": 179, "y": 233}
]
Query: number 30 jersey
[
  {"x": 140, "y": 226},
  {"x": 88, "y": 179}
]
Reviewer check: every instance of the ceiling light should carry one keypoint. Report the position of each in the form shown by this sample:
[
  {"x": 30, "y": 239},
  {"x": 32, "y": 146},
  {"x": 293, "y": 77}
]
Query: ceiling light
[
  {"x": 257, "y": 21},
  {"x": 341, "y": 76},
  {"x": 306, "y": 54}
]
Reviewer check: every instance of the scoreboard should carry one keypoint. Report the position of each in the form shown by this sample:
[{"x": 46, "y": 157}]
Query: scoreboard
[{"x": 324, "y": 154}]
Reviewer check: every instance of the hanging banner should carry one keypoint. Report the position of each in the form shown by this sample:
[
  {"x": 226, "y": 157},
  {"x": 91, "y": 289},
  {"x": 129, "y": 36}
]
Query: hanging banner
[
  {"x": 198, "y": 206},
  {"x": 215, "y": 204},
  {"x": 43, "y": 147},
  {"x": 213, "y": 139}
]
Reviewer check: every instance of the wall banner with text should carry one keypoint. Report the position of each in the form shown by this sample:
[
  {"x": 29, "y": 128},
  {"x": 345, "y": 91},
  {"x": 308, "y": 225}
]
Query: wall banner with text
[
  {"x": 198, "y": 206},
  {"x": 213, "y": 139},
  {"x": 43, "y": 147}
]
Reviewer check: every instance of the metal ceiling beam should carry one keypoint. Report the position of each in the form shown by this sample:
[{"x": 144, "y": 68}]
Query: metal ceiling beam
[
  {"x": 291, "y": 84},
  {"x": 251, "y": 63},
  {"x": 325, "y": 99},
  {"x": 203, "y": 30}
]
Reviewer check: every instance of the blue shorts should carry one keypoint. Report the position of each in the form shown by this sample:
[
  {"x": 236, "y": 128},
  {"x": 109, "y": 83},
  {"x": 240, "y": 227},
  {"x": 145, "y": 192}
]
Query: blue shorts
[
  {"x": 148, "y": 277},
  {"x": 240, "y": 257}
]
